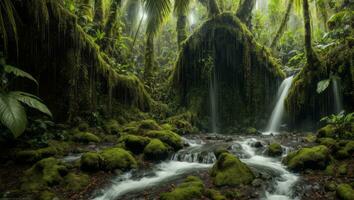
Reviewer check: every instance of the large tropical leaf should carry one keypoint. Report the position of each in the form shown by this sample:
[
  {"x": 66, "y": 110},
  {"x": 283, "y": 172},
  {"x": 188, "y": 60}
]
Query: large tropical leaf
[
  {"x": 31, "y": 101},
  {"x": 12, "y": 114},
  {"x": 19, "y": 73},
  {"x": 322, "y": 85},
  {"x": 157, "y": 12}
]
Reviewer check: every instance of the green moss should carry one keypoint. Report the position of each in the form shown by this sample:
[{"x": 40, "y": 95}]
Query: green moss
[
  {"x": 329, "y": 142},
  {"x": 330, "y": 186},
  {"x": 35, "y": 155},
  {"x": 156, "y": 150},
  {"x": 191, "y": 188},
  {"x": 346, "y": 151},
  {"x": 308, "y": 158},
  {"x": 330, "y": 169},
  {"x": 90, "y": 161},
  {"x": 83, "y": 126},
  {"x": 111, "y": 127},
  {"x": 251, "y": 131},
  {"x": 274, "y": 149},
  {"x": 76, "y": 182},
  {"x": 310, "y": 138},
  {"x": 167, "y": 126},
  {"x": 214, "y": 194},
  {"x": 47, "y": 195},
  {"x": 327, "y": 132},
  {"x": 45, "y": 173},
  {"x": 343, "y": 169},
  {"x": 85, "y": 137},
  {"x": 168, "y": 137},
  {"x": 141, "y": 127},
  {"x": 345, "y": 192},
  {"x": 230, "y": 171},
  {"x": 117, "y": 158},
  {"x": 134, "y": 143},
  {"x": 182, "y": 123}
]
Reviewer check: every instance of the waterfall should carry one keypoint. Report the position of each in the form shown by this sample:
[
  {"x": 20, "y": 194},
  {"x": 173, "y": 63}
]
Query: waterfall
[
  {"x": 213, "y": 102},
  {"x": 337, "y": 97},
  {"x": 278, "y": 111}
]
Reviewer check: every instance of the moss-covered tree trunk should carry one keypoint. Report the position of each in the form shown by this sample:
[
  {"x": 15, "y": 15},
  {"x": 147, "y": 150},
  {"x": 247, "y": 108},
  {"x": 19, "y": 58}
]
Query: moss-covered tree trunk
[
  {"x": 244, "y": 12},
  {"x": 213, "y": 8},
  {"x": 181, "y": 29},
  {"x": 310, "y": 55},
  {"x": 283, "y": 24},
  {"x": 98, "y": 14},
  {"x": 149, "y": 57},
  {"x": 110, "y": 26},
  {"x": 85, "y": 12}
]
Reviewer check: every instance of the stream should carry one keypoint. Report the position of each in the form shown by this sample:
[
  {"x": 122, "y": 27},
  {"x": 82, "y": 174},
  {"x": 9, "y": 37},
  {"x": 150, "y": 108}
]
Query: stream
[{"x": 199, "y": 157}]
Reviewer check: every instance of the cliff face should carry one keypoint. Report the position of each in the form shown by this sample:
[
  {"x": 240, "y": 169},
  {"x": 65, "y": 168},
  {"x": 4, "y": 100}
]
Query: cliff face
[{"x": 222, "y": 58}]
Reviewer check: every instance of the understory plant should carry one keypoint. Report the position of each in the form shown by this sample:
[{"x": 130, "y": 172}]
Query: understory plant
[{"x": 12, "y": 111}]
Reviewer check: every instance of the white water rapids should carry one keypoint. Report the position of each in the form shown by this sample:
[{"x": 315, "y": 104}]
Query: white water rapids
[{"x": 197, "y": 157}]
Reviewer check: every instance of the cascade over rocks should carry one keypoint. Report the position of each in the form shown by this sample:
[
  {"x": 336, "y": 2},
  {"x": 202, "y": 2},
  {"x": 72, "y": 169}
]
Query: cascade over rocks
[{"x": 246, "y": 75}]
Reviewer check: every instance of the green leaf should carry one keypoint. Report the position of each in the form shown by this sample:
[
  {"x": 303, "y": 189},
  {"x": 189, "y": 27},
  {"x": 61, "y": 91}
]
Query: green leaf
[
  {"x": 12, "y": 114},
  {"x": 322, "y": 85},
  {"x": 31, "y": 101},
  {"x": 19, "y": 73}
]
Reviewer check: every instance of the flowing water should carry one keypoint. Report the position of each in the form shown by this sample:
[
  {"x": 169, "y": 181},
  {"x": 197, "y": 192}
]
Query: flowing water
[
  {"x": 199, "y": 156},
  {"x": 337, "y": 97},
  {"x": 278, "y": 111}
]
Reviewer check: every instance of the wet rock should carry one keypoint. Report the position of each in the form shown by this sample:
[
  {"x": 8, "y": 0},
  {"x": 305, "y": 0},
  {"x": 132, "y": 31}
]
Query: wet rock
[
  {"x": 274, "y": 149},
  {"x": 90, "y": 161},
  {"x": 257, "y": 182},
  {"x": 345, "y": 192},
  {"x": 134, "y": 143},
  {"x": 230, "y": 171},
  {"x": 117, "y": 158},
  {"x": 257, "y": 144},
  {"x": 168, "y": 137},
  {"x": 85, "y": 137},
  {"x": 308, "y": 158}
]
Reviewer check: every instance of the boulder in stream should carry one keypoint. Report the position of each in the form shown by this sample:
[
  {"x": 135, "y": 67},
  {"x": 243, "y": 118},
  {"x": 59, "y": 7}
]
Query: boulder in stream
[
  {"x": 274, "y": 149},
  {"x": 191, "y": 188},
  {"x": 345, "y": 192},
  {"x": 156, "y": 150}
]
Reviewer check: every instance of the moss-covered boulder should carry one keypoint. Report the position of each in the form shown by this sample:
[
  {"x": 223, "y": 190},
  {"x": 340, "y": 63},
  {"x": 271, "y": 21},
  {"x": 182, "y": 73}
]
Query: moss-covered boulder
[
  {"x": 191, "y": 188},
  {"x": 224, "y": 51},
  {"x": 76, "y": 182},
  {"x": 345, "y": 192},
  {"x": 134, "y": 143},
  {"x": 214, "y": 194},
  {"x": 46, "y": 195},
  {"x": 156, "y": 150},
  {"x": 168, "y": 137},
  {"x": 327, "y": 131},
  {"x": 111, "y": 127},
  {"x": 308, "y": 158},
  {"x": 230, "y": 171},
  {"x": 35, "y": 155},
  {"x": 274, "y": 149},
  {"x": 85, "y": 137},
  {"x": 45, "y": 173},
  {"x": 117, "y": 158},
  {"x": 181, "y": 124},
  {"x": 90, "y": 161},
  {"x": 141, "y": 127},
  {"x": 346, "y": 151},
  {"x": 329, "y": 142}
]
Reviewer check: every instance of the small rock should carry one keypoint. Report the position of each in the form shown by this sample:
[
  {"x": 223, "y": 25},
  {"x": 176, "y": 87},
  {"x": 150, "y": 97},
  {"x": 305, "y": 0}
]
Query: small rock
[{"x": 257, "y": 182}]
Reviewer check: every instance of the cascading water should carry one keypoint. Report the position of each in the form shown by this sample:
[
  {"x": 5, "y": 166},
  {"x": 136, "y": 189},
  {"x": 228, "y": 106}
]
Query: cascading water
[
  {"x": 278, "y": 111},
  {"x": 337, "y": 97},
  {"x": 213, "y": 92}
]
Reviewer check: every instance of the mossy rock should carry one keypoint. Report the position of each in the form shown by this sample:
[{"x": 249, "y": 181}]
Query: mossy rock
[
  {"x": 330, "y": 169},
  {"x": 83, "y": 126},
  {"x": 90, "y": 161},
  {"x": 251, "y": 131},
  {"x": 134, "y": 143},
  {"x": 156, "y": 150},
  {"x": 112, "y": 127},
  {"x": 346, "y": 151},
  {"x": 35, "y": 155},
  {"x": 191, "y": 188},
  {"x": 141, "y": 127},
  {"x": 329, "y": 131},
  {"x": 345, "y": 192},
  {"x": 181, "y": 124},
  {"x": 308, "y": 158},
  {"x": 117, "y": 158},
  {"x": 85, "y": 137},
  {"x": 45, "y": 173},
  {"x": 343, "y": 169},
  {"x": 310, "y": 138},
  {"x": 230, "y": 171},
  {"x": 274, "y": 149},
  {"x": 76, "y": 182},
  {"x": 168, "y": 137},
  {"x": 47, "y": 195},
  {"x": 329, "y": 142},
  {"x": 214, "y": 194}
]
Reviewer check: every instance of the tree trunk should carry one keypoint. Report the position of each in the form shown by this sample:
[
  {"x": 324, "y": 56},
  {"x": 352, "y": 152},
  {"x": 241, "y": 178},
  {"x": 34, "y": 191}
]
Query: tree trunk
[
  {"x": 98, "y": 14},
  {"x": 310, "y": 55},
  {"x": 244, "y": 12},
  {"x": 213, "y": 8},
  {"x": 283, "y": 24},
  {"x": 181, "y": 29},
  {"x": 85, "y": 12},
  {"x": 111, "y": 23},
  {"x": 149, "y": 57}
]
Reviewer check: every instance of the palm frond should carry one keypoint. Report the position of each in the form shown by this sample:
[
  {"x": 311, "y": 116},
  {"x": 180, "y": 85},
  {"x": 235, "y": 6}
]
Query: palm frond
[
  {"x": 19, "y": 73},
  {"x": 7, "y": 11},
  {"x": 12, "y": 114},
  {"x": 181, "y": 6},
  {"x": 157, "y": 12},
  {"x": 31, "y": 101}
]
